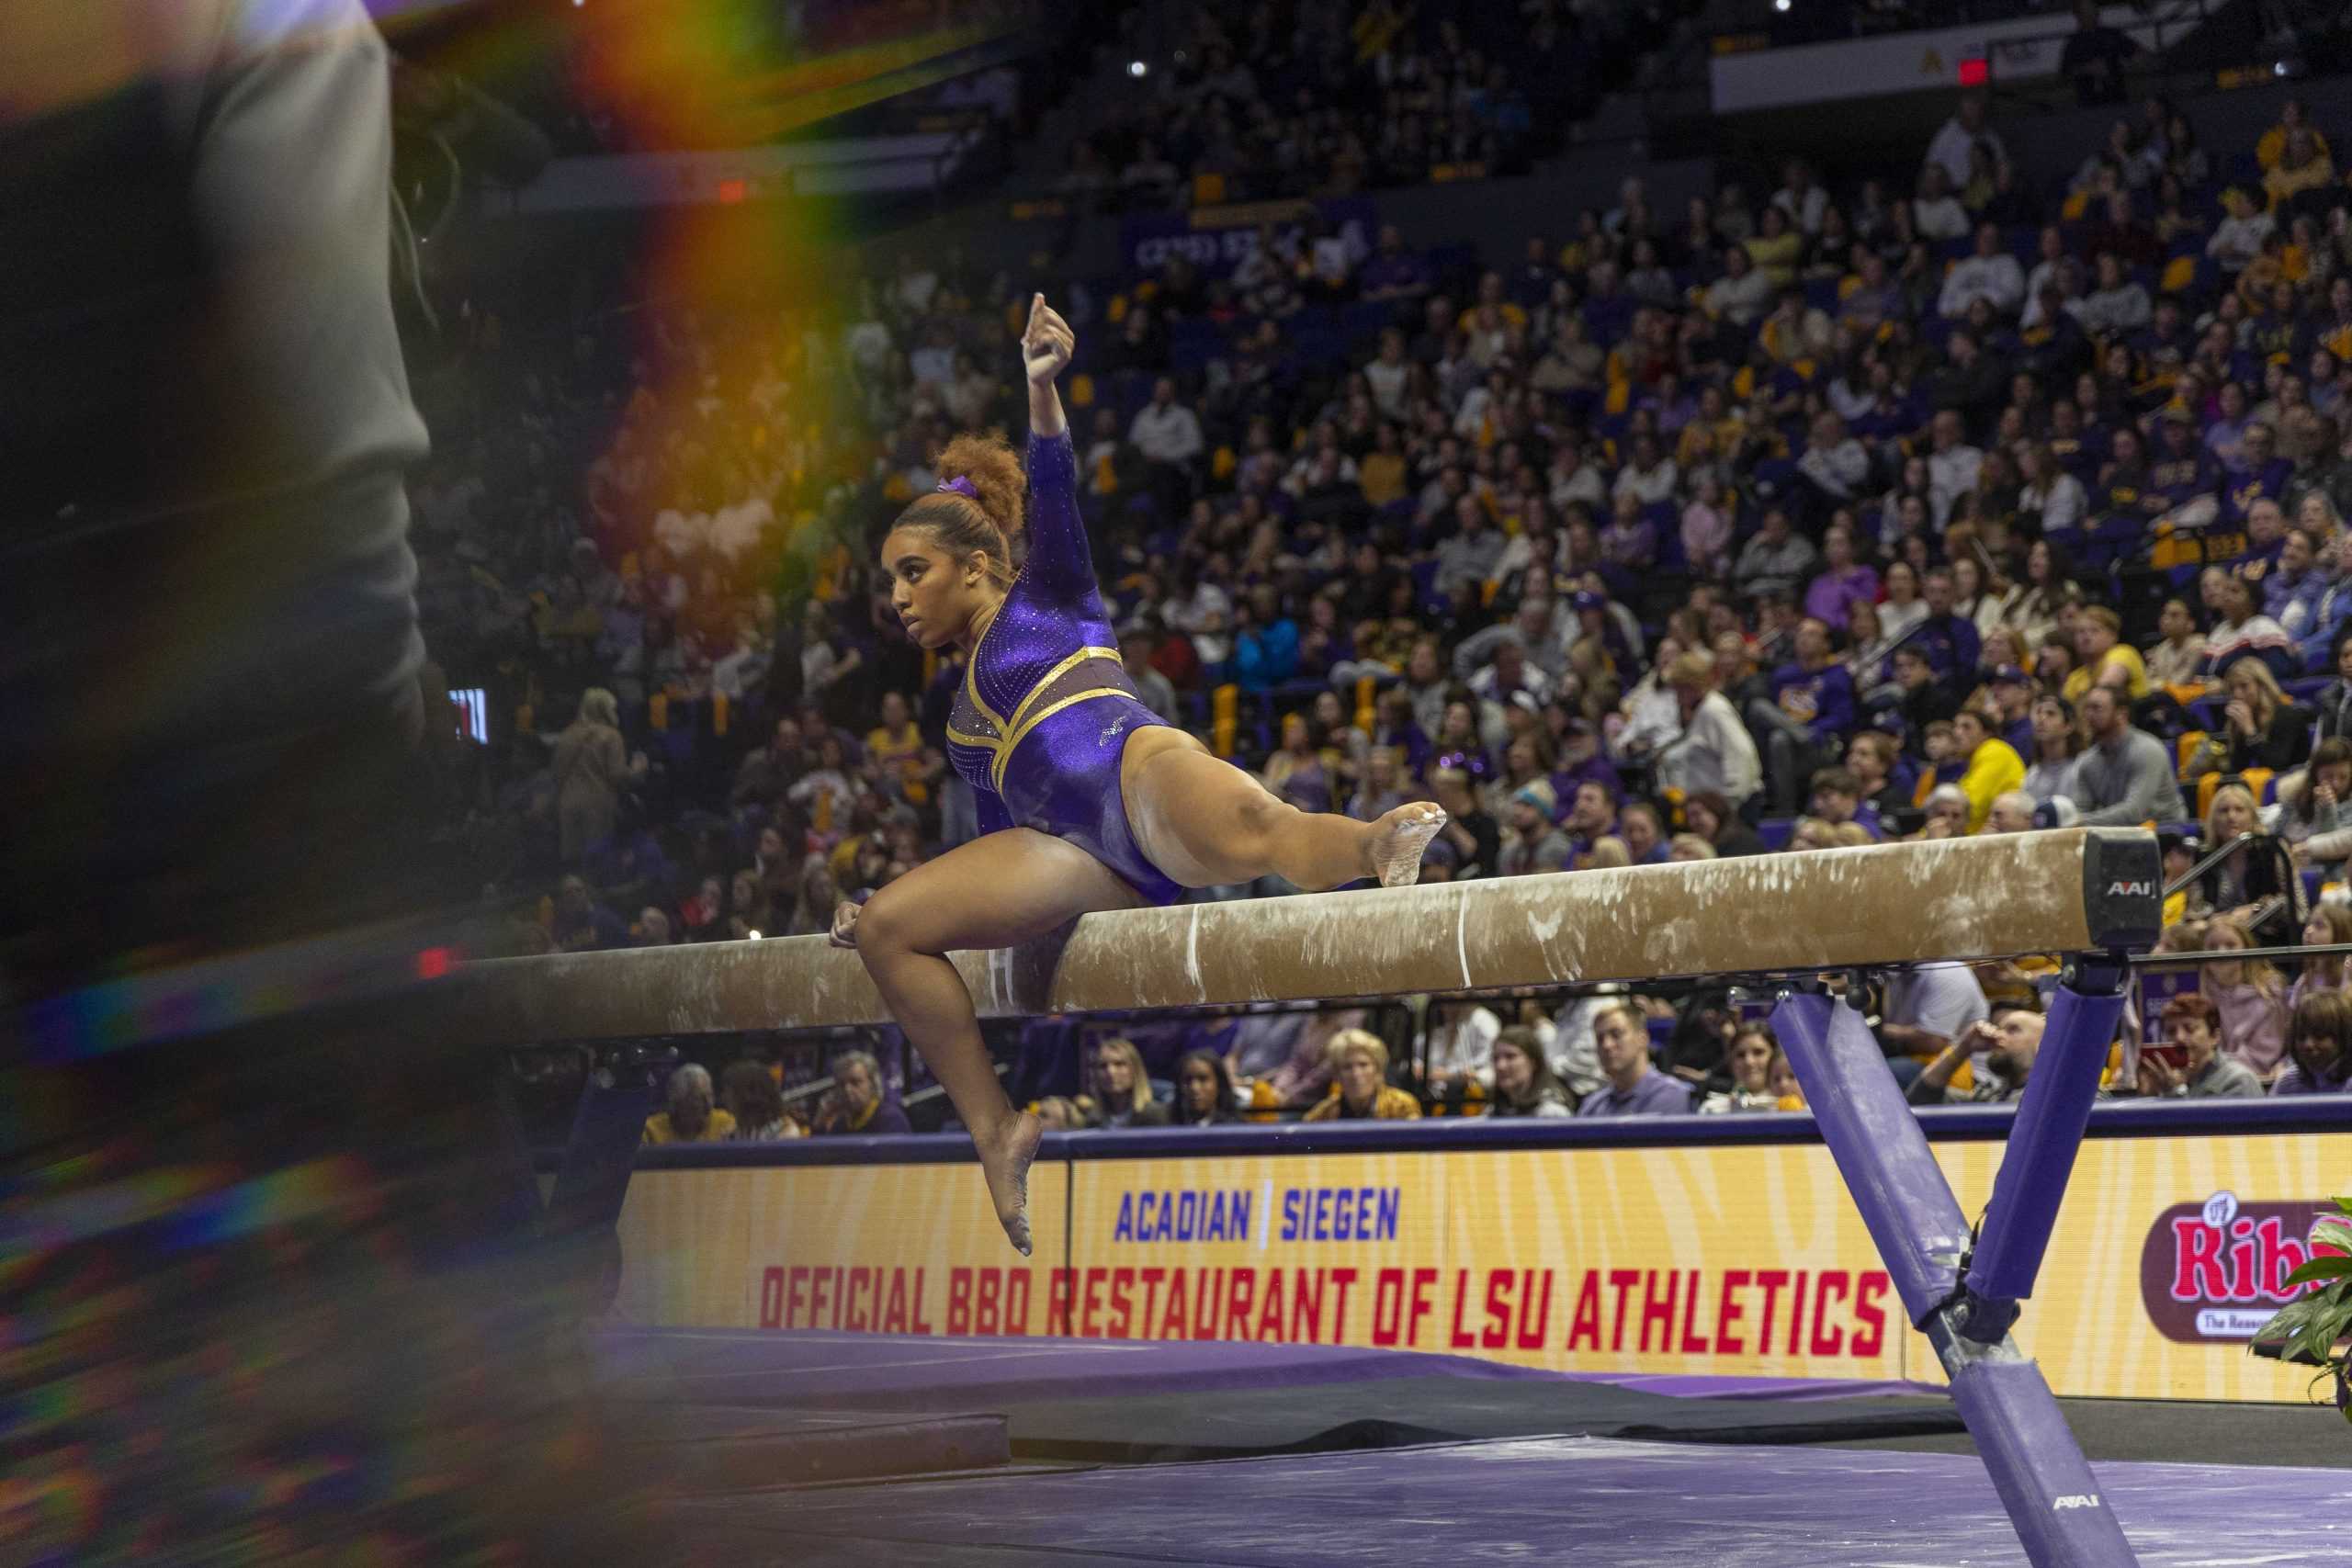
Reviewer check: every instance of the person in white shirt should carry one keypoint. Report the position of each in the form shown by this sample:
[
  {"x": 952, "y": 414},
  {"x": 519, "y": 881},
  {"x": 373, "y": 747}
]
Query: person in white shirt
[
  {"x": 1953, "y": 465},
  {"x": 2116, "y": 305},
  {"x": 1833, "y": 460},
  {"x": 1743, "y": 293},
  {"x": 1389, "y": 374},
  {"x": 2050, "y": 257},
  {"x": 1712, "y": 750},
  {"x": 2238, "y": 237},
  {"x": 1959, "y": 136},
  {"x": 1992, "y": 275},
  {"x": 1935, "y": 215},
  {"x": 1165, "y": 431},
  {"x": 1800, "y": 197}
]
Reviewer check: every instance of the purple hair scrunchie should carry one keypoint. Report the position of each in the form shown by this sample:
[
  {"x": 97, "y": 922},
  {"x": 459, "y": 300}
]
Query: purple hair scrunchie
[{"x": 961, "y": 486}]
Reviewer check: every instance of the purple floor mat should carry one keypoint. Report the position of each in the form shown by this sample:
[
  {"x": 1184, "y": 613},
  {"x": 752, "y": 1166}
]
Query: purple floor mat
[
  {"x": 1626, "y": 1505},
  {"x": 816, "y": 1367}
]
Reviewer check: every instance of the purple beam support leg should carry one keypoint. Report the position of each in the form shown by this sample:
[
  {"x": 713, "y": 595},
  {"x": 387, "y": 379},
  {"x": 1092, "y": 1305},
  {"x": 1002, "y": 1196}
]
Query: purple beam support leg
[
  {"x": 2044, "y": 1481},
  {"x": 2052, "y": 1115},
  {"x": 2062, "y": 1515},
  {"x": 1879, "y": 1148}
]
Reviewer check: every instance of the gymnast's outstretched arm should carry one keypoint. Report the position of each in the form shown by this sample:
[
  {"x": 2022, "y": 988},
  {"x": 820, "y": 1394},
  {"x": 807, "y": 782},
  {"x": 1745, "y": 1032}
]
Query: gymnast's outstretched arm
[{"x": 1061, "y": 563}]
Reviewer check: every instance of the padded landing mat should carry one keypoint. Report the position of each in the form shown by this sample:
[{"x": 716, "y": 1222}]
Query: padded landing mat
[{"x": 1563, "y": 1500}]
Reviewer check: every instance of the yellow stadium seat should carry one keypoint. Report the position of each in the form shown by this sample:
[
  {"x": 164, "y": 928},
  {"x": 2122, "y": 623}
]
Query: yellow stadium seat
[
  {"x": 1081, "y": 391},
  {"x": 2187, "y": 746},
  {"x": 2178, "y": 275},
  {"x": 1225, "y": 718}
]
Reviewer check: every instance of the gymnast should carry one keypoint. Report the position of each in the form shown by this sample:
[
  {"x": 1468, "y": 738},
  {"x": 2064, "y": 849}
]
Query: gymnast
[{"x": 1087, "y": 799}]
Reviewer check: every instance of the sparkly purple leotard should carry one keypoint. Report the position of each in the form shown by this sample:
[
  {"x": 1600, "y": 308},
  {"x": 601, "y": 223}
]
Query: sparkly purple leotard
[{"x": 1047, "y": 708}]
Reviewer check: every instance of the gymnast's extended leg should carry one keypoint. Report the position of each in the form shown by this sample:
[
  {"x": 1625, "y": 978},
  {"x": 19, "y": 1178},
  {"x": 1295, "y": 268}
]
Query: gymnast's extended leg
[
  {"x": 995, "y": 891},
  {"x": 1205, "y": 823}
]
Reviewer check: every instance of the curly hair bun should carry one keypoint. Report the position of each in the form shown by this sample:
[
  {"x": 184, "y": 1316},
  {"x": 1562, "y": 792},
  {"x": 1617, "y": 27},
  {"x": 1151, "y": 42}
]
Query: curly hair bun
[{"x": 994, "y": 470}]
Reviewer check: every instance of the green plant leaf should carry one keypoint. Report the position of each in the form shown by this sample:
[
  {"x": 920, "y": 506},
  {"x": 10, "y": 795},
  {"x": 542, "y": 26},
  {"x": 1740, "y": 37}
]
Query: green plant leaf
[
  {"x": 2288, "y": 1322},
  {"x": 2345, "y": 1203},
  {"x": 2322, "y": 1267},
  {"x": 2333, "y": 1232}
]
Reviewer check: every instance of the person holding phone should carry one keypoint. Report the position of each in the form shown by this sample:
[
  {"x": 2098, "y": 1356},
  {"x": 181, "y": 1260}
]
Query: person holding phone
[{"x": 2189, "y": 1065}]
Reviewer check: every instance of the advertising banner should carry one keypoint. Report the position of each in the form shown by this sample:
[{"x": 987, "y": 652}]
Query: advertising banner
[
  {"x": 1215, "y": 240},
  {"x": 1693, "y": 1260}
]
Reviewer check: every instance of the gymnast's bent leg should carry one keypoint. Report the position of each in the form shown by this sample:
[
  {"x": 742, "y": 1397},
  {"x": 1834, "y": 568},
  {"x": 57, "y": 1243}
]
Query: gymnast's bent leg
[
  {"x": 1205, "y": 823},
  {"x": 999, "y": 890}
]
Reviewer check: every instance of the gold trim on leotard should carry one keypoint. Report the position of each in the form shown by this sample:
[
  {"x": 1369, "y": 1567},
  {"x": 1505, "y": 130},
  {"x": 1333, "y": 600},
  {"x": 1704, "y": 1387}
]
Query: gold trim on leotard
[
  {"x": 1024, "y": 716},
  {"x": 1004, "y": 755}
]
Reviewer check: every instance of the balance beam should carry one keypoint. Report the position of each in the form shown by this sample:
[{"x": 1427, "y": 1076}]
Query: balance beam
[{"x": 2070, "y": 890}]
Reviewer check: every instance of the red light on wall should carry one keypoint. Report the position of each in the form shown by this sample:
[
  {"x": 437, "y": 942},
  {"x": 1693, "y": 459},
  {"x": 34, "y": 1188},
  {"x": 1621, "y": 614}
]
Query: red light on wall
[
  {"x": 1975, "y": 73},
  {"x": 432, "y": 964},
  {"x": 731, "y": 192}
]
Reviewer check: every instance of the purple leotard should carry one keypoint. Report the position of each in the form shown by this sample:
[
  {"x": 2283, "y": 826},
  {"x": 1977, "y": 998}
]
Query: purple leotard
[{"x": 1047, "y": 708}]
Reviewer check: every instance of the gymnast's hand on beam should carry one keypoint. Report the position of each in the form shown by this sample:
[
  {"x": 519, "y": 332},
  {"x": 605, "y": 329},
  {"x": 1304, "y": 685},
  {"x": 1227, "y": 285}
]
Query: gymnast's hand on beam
[
  {"x": 844, "y": 931},
  {"x": 1047, "y": 343}
]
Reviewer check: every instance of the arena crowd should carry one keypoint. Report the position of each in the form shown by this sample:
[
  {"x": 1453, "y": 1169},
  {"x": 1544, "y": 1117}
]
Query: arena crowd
[{"x": 1794, "y": 520}]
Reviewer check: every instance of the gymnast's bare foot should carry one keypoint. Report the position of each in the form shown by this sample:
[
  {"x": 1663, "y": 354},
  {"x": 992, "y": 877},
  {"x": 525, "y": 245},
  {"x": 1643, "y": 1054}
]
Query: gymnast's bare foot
[
  {"x": 1005, "y": 1160},
  {"x": 1393, "y": 850}
]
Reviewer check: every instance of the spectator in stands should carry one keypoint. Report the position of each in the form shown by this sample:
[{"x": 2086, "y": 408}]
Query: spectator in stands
[
  {"x": 2255, "y": 883},
  {"x": 1991, "y": 766},
  {"x": 1927, "y": 1008},
  {"x": 1710, "y": 816},
  {"x": 2010, "y": 1039},
  {"x": 2103, "y": 656},
  {"x": 582, "y": 924},
  {"x": 1533, "y": 844},
  {"x": 1644, "y": 832},
  {"x": 1137, "y": 640},
  {"x": 1958, "y": 137},
  {"x": 1359, "y": 1088},
  {"x": 690, "y": 1118},
  {"x": 2193, "y": 1023},
  {"x": 2012, "y": 812},
  {"x": 2176, "y": 658},
  {"x": 1711, "y": 750},
  {"x": 2096, "y": 57},
  {"x": 1120, "y": 1088},
  {"x": 1871, "y": 757},
  {"x": 1991, "y": 274},
  {"x": 1622, "y": 1040},
  {"x": 2322, "y": 1033},
  {"x": 749, "y": 1091},
  {"x": 1811, "y": 710},
  {"x": 858, "y": 1102},
  {"x": 1843, "y": 582},
  {"x": 2055, "y": 755},
  {"x": 1168, "y": 436},
  {"x": 1749, "y": 1059},
  {"x": 2126, "y": 776},
  {"x": 2250, "y": 997},
  {"x": 1776, "y": 558},
  {"x": 1524, "y": 1082},
  {"x": 2260, "y": 728},
  {"x": 591, "y": 769},
  {"x": 1205, "y": 1095},
  {"x": 2317, "y": 823}
]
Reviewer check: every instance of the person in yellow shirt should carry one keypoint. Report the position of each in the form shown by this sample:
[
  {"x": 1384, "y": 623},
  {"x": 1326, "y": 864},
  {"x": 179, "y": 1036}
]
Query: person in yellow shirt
[
  {"x": 691, "y": 1118},
  {"x": 896, "y": 747},
  {"x": 2292, "y": 117},
  {"x": 2099, "y": 650},
  {"x": 1994, "y": 766},
  {"x": 1359, "y": 1090},
  {"x": 2303, "y": 164}
]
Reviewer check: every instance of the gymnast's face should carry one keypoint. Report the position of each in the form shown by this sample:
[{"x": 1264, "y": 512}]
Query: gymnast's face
[{"x": 936, "y": 597}]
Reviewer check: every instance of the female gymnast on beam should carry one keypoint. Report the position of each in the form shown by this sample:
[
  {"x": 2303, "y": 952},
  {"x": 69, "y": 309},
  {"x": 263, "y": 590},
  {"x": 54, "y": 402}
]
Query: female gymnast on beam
[{"x": 1087, "y": 799}]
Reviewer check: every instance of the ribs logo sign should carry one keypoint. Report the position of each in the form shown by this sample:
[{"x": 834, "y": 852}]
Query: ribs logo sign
[{"x": 2215, "y": 1271}]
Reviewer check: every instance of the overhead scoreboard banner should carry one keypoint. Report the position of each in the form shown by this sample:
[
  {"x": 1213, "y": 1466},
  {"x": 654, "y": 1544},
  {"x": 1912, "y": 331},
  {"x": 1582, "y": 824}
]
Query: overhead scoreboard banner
[
  {"x": 1216, "y": 240},
  {"x": 1743, "y": 1261}
]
